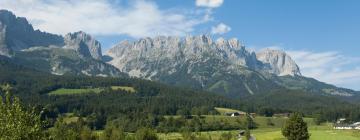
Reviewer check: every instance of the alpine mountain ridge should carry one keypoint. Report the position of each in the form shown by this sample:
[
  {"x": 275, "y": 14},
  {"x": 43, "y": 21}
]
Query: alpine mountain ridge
[
  {"x": 222, "y": 66},
  {"x": 76, "y": 53}
]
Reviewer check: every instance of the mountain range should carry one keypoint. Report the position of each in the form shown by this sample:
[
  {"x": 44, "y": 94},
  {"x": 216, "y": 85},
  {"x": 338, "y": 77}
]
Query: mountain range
[{"x": 221, "y": 66}]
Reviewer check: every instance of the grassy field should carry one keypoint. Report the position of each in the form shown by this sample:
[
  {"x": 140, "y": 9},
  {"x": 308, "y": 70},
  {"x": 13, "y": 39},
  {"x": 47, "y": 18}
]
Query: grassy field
[
  {"x": 322, "y": 134},
  {"x": 266, "y": 132},
  {"x": 225, "y": 110},
  {"x": 272, "y": 132},
  {"x": 263, "y": 132},
  {"x": 275, "y": 134},
  {"x": 65, "y": 91},
  {"x": 126, "y": 88},
  {"x": 70, "y": 118}
]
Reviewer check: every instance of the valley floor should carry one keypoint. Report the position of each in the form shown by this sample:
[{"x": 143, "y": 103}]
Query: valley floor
[
  {"x": 317, "y": 133},
  {"x": 266, "y": 132}
]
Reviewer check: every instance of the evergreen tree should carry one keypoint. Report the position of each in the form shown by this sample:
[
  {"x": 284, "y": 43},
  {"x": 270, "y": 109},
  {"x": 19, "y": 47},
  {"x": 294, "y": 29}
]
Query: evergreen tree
[
  {"x": 249, "y": 123},
  {"x": 113, "y": 133},
  {"x": 295, "y": 128},
  {"x": 187, "y": 134},
  {"x": 146, "y": 134},
  {"x": 15, "y": 122},
  {"x": 247, "y": 134}
]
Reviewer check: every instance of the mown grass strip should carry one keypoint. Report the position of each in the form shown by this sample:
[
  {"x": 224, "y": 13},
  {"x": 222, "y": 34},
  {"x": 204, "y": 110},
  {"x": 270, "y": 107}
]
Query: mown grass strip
[{"x": 64, "y": 91}]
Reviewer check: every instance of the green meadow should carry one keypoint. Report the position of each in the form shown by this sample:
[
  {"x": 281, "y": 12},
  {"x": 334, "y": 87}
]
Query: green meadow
[
  {"x": 266, "y": 131},
  {"x": 66, "y": 91},
  {"x": 126, "y": 88},
  {"x": 323, "y": 132}
]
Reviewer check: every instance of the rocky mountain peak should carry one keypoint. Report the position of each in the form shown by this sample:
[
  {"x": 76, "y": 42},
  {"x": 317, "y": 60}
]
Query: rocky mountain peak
[
  {"x": 278, "y": 62},
  {"x": 145, "y": 55},
  {"x": 18, "y": 34},
  {"x": 84, "y": 44},
  {"x": 198, "y": 40}
]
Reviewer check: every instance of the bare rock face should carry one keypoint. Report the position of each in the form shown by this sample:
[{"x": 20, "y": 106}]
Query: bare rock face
[
  {"x": 147, "y": 57},
  {"x": 84, "y": 44},
  {"x": 18, "y": 34},
  {"x": 46, "y": 52},
  {"x": 4, "y": 49},
  {"x": 278, "y": 62},
  {"x": 222, "y": 66}
]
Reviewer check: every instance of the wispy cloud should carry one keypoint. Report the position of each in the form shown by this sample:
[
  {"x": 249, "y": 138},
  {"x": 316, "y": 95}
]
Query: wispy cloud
[
  {"x": 209, "y": 3},
  {"x": 330, "y": 67},
  {"x": 220, "y": 29},
  {"x": 106, "y": 17}
]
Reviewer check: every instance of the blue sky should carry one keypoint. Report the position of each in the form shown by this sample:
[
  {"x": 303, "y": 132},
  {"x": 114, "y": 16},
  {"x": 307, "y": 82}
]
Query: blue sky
[{"x": 323, "y": 36}]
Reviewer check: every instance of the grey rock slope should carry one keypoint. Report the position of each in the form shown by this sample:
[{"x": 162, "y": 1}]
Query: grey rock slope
[
  {"x": 278, "y": 62},
  {"x": 83, "y": 44},
  {"x": 175, "y": 51},
  {"x": 135, "y": 57},
  {"x": 4, "y": 49},
  {"x": 61, "y": 61},
  {"x": 222, "y": 66},
  {"x": 19, "y": 34},
  {"x": 78, "y": 53}
]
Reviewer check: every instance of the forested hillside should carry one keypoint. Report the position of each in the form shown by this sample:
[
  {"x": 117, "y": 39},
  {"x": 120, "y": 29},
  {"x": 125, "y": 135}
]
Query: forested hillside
[{"x": 151, "y": 101}]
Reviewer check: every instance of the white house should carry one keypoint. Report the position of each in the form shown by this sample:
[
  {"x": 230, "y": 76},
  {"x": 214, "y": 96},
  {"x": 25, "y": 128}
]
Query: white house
[
  {"x": 235, "y": 114},
  {"x": 344, "y": 126},
  {"x": 341, "y": 120}
]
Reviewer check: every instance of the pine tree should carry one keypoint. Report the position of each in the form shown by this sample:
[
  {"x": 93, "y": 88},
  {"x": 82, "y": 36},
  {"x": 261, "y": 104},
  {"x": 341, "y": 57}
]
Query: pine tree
[
  {"x": 249, "y": 123},
  {"x": 146, "y": 134},
  {"x": 295, "y": 128}
]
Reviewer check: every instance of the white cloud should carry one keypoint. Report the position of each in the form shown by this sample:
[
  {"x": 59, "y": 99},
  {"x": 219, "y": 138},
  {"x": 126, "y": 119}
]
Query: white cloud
[
  {"x": 220, "y": 29},
  {"x": 105, "y": 17},
  {"x": 329, "y": 67},
  {"x": 209, "y": 3}
]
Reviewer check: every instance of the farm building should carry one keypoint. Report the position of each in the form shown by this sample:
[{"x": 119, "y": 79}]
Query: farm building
[{"x": 344, "y": 126}]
